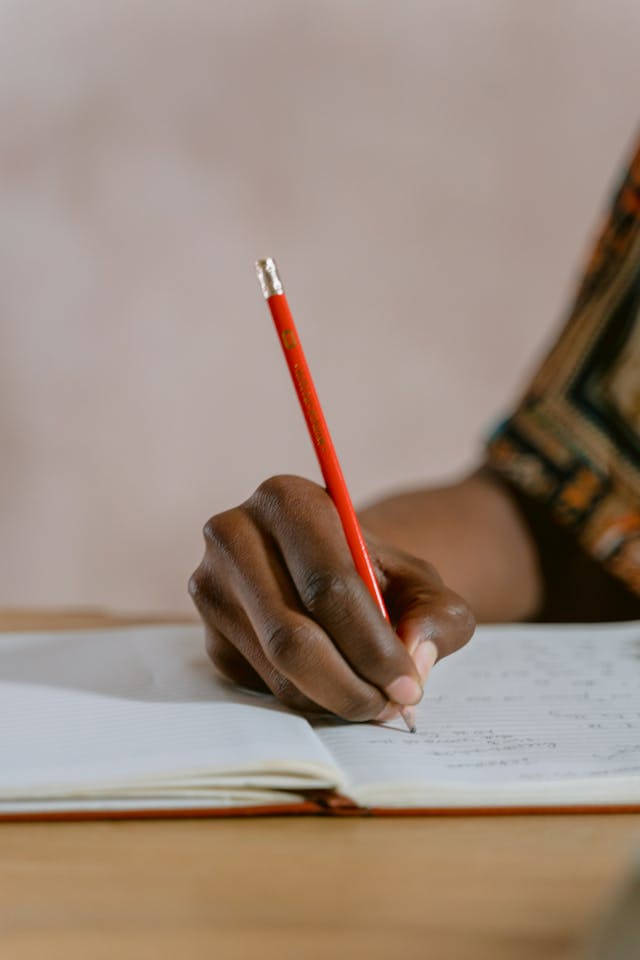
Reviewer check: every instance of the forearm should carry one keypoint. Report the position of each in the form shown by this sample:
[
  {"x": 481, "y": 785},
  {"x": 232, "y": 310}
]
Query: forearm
[
  {"x": 475, "y": 536},
  {"x": 502, "y": 552}
]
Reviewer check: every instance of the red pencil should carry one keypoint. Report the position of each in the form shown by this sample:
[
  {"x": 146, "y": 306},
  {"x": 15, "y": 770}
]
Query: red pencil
[{"x": 320, "y": 436}]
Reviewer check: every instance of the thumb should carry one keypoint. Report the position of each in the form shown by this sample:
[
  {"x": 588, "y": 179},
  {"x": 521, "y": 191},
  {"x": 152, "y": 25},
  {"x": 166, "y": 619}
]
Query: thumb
[{"x": 431, "y": 620}]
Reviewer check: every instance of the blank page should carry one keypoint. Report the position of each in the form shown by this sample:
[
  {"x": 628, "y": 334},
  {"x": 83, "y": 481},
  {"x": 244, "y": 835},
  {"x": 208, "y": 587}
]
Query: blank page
[
  {"x": 110, "y": 711},
  {"x": 521, "y": 715}
]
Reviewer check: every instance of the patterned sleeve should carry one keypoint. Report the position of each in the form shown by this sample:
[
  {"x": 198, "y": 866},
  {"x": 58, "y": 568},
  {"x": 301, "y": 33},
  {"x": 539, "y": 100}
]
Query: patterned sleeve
[{"x": 573, "y": 442}]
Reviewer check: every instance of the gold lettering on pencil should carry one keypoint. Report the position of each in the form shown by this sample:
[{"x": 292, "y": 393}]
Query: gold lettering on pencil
[
  {"x": 289, "y": 339},
  {"x": 305, "y": 393}
]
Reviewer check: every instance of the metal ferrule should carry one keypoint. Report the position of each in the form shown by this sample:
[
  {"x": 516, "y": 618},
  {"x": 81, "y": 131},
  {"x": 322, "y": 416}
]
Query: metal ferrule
[{"x": 268, "y": 277}]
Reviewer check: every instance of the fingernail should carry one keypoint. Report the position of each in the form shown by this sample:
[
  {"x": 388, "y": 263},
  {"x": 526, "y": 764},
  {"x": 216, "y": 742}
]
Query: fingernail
[
  {"x": 390, "y": 712},
  {"x": 425, "y": 657},
  {"x": 404, "y": 690}
]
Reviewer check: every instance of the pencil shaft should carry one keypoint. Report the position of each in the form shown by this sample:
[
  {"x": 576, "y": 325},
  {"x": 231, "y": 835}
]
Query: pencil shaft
[
  {"x": 322, "y": 443},
  {"x": 321, "y": 438}
]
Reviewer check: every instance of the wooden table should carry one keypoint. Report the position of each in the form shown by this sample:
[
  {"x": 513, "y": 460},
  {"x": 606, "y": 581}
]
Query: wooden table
[{"x": 309, "y": 889}]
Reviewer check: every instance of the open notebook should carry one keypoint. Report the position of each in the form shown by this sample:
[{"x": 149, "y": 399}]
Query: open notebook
[{"x": 135, "y": 721}]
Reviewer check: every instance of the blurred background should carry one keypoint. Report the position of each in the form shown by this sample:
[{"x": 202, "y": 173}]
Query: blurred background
[{"x": 428, "y": 175}]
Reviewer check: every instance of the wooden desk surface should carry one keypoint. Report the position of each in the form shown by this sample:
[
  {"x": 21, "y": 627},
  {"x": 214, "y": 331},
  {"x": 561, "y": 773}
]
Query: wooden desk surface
[{"x": 304, "y": 888}]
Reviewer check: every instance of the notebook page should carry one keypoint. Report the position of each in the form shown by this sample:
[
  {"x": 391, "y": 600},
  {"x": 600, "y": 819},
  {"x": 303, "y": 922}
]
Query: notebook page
[
  {"x": 521, "y": 715},
  {"x": 139, "y": 708},
  {"x": 132, "y": 803}
]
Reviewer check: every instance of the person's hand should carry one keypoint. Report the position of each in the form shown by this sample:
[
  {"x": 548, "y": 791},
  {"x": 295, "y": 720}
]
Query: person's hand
[{"x": 284, "y": 608}]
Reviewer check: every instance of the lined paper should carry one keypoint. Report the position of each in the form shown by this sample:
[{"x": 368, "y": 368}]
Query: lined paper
[
  {"x": 540, "y": 714},
  {"x": 137, "y": 719},
  {"x": 119, "y": 710}
]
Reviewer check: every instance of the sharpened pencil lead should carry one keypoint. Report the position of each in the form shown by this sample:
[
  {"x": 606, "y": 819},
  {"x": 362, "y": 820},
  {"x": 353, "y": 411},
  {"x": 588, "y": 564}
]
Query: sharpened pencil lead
[{"x": 408, "y": 714}]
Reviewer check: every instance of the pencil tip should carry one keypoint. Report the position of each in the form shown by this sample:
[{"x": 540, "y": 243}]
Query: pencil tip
[
  {"x": 269, "y": 278},
  {"x": 408, "y": 715}
]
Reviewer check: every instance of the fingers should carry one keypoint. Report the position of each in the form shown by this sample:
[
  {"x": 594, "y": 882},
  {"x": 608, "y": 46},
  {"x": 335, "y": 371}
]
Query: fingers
[
  {"x": 241, "y": 661},
  {"x": 328, "y": 587},
  {"x": 262, "y": 677},
  {"x": 431, "y": 620},
  {"x": 286, "y": 610},
  {"x": 260, "y": 614},
  {"x": 229, "y": 662}
]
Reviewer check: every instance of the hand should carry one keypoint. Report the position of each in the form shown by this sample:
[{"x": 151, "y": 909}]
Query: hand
[{"x": 284, "y": 608}]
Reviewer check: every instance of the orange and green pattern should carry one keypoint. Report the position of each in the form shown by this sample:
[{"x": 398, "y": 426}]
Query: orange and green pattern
[{"x": 573, "y": 442}]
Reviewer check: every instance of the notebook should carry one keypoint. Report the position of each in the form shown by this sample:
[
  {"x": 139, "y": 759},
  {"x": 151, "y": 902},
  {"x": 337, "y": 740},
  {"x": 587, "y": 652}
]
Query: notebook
[{"x": 136, "y": 722}]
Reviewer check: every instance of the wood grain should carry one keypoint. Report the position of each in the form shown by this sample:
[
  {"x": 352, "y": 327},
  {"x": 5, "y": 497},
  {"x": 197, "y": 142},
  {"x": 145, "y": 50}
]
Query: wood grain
[{"x": 446, "y": 888}]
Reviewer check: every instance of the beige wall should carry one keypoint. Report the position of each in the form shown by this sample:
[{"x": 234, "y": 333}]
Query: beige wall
[{"x": 427, "y": 174}]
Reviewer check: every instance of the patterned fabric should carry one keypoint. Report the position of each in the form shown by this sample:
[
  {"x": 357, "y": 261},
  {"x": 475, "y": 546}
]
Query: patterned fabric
[{"x": 573, "y": 443}]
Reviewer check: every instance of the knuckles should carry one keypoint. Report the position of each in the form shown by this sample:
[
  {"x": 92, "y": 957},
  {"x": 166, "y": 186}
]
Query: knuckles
[
  {"x": 223, "y": 531},
  {"x": 287, "y": 647},
  {"x": 196, "y": 587},
  {"x": 226, "y": 536},
  {"x": 204, "y": 586},
  {"x": 328, "y": 593},
  {"x": 282, "y": 494},
  {"x": 283, "y": 486}
]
